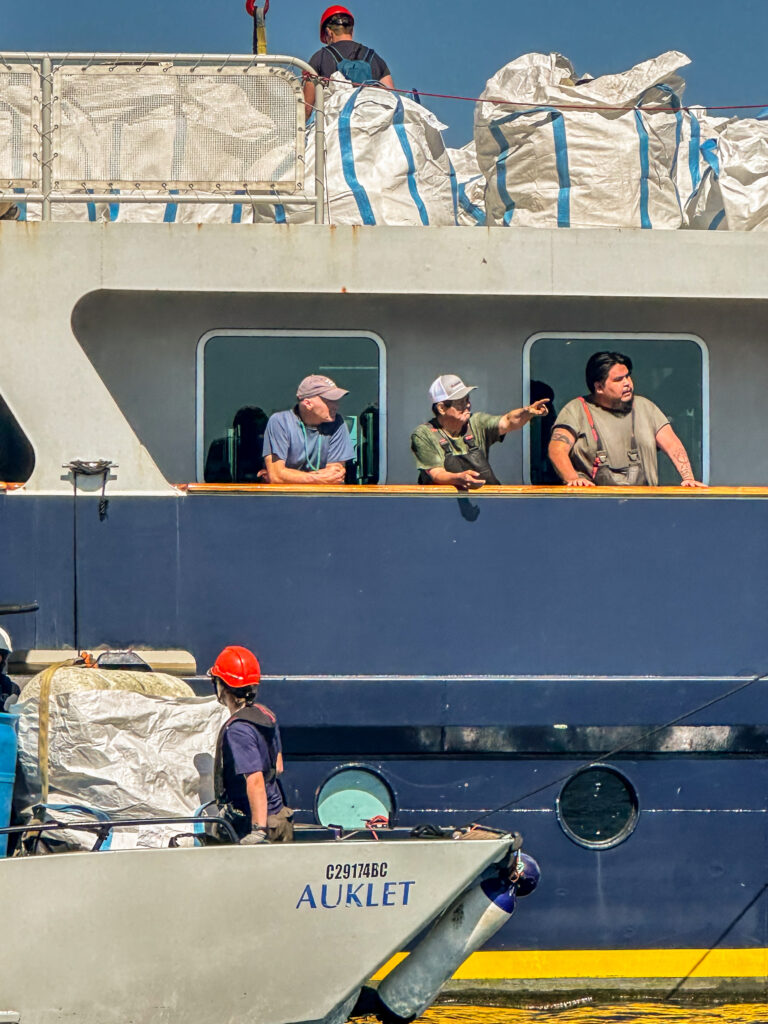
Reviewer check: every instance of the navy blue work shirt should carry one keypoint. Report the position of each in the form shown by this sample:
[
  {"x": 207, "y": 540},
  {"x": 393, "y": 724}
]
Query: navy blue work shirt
[{"x": 245, "y": 750}]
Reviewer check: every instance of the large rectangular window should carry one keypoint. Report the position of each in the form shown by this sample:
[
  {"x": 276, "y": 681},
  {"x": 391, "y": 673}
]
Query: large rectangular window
[
  {"x": 245, "y": 376},
  {"x": 671, "y": 370}
]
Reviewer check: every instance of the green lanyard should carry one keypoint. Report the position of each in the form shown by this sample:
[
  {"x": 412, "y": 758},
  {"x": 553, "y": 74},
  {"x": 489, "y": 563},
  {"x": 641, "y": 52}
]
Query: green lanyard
[{"x": 313, "y": 467}]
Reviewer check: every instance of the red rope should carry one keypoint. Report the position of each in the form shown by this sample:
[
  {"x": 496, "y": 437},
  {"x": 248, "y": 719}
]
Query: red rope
[
  {"x": 378, "y": 821},
  {"x": 580, "y": 106},
  {"x": 587, "y": 107}
]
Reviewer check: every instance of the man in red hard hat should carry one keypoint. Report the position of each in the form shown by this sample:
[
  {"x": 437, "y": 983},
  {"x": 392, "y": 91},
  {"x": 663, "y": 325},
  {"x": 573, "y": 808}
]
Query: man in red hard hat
[
  {"x": 356, "y": 62},
  {"x": 248, "y": 753}
]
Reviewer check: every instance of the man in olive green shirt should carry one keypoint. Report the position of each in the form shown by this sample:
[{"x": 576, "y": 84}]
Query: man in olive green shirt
[
  {"x": 610, "y": 437},
  {"x": 453, "y": 447}
]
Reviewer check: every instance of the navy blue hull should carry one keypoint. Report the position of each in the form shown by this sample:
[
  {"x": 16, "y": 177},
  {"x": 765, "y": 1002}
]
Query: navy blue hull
[
  {"x": 403, "y": 584},
  {"x": 501, "y": 588}
]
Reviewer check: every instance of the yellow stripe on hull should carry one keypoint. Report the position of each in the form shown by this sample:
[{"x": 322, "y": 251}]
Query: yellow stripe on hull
[{"x": 608, "y": 963}]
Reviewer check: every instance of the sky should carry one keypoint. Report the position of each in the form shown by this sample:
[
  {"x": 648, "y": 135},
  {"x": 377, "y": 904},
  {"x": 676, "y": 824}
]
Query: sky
[{"x": 453, "y": 46}]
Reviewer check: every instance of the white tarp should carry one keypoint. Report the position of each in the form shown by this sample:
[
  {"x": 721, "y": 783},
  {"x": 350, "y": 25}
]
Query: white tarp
[
  {"x": 470, "y": 184},
  {"x": 549, "y": 166},
  {"x": 386, "y": 162},
  {"x": 733, "y": 195},
  {"x": 121, "y": 754}
]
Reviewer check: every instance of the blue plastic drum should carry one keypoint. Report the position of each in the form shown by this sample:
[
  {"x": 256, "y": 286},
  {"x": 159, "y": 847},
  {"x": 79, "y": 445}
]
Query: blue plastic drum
[{"x": 7, "y": 773}]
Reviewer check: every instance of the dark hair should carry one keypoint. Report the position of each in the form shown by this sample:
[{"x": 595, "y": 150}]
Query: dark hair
[
  {"x": 339, "y": 21},
  {"x": 599, "y": 365},
  {"x": 246, "y": 693}
]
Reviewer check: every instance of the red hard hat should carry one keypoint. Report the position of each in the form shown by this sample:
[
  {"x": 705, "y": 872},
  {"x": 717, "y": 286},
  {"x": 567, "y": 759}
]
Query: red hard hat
[
  {"x": 336, "y": 9},
  {"x": 237, "y": 667}
]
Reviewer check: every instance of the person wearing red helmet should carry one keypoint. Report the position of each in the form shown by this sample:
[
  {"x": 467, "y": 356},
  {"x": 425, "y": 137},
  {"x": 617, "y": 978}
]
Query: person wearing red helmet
[
  {"x": 356, "y": 62},
  {"x": 249, "y": 754}
]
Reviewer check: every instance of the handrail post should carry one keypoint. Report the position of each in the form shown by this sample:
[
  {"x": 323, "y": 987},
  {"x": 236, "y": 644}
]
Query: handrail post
[
  {"x": 319, "y": 153},
  {"x": 46, "y": 147}
]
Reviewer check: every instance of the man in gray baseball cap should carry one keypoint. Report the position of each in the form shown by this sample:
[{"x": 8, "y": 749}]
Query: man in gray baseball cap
[
  {"x": 310, "y": 443},
  {"x": 452, "y": 448}
]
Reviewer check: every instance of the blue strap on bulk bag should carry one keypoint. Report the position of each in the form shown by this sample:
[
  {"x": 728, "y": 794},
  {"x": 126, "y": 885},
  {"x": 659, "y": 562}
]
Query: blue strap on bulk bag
[
  {"x": 171, "y": 209},
  {"x": 645, "y": 170},
  {"x": 22, "y": 207},
  {"x": 694, "y": 149},
  {"x": 561, "y": 162},
  {"x": 644, "y": 142},
  {"x": 709, "y": 152},
  {"x": 716, "y": 221},
  {"x": 357, "y": 71},
  {"x": 91, "y": 207},
  {"x": 475, "y": 212},
  {"x": 501, "y": 174},
  {"x": 398, "y": 122},
  {"x": 454, "y": 191},
  {"x": 348, "y": 161}
]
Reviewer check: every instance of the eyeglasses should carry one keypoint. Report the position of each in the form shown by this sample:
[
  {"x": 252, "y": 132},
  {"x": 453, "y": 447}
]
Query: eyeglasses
[{"x": 459, "y": 403}]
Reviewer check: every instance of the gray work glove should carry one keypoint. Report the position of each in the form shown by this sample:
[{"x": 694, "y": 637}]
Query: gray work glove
[{"x": 256, "y": 835}]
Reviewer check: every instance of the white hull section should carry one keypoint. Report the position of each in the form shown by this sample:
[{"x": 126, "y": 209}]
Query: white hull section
[{"x": 218, "y": 935}]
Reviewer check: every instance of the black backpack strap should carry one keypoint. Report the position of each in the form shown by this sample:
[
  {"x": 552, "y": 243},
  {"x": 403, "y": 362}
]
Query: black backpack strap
[
  {"x": 369, "y": 55},
  {"x": 262, "y": 719}
]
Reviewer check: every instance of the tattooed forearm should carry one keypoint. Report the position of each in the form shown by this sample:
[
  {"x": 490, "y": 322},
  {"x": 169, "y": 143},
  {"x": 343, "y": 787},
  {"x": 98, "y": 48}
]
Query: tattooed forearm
[
  {"x": 563, "y": 436},
  {"x": 682, "y": 463}
]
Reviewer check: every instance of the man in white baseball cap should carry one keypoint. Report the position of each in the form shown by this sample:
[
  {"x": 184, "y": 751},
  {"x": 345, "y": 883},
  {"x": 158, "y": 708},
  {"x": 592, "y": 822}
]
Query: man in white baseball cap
[
  {"x": 452, "y": 448},
  {"x": 7, "y": 686},
  {"x": 310, "y": 443}
]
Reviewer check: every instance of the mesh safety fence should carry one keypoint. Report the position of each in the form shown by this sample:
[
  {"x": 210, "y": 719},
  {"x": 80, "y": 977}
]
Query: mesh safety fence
[
  {"x": 146, "y": 127},
  {"x": 19, "y": 138}
]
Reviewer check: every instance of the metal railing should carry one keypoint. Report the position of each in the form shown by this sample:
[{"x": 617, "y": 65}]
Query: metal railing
[{"x": 188, "y": 128}]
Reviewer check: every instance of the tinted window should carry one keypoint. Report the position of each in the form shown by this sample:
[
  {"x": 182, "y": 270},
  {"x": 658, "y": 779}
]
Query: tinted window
[
  {"x": 244, "y": 377},
  {"x": 669, "y": 371}
]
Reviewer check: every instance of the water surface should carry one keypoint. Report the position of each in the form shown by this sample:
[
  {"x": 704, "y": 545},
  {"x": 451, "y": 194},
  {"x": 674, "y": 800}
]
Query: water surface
[{"x": 588, "y": 1013}]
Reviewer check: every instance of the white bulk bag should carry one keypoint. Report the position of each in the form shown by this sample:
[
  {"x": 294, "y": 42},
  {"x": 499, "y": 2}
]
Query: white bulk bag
[
  {"x": 550, "y": 166},
  {"x": 141, "y": 747},
  {"x": 171, "y": 212},
  {"x": 692, "y": 136},
  {"x": 734, "y": 192},
  {"x": 385, "y": 162},
  {"x": 470, "y": 185},
  {"x": 91, "y": 211}
]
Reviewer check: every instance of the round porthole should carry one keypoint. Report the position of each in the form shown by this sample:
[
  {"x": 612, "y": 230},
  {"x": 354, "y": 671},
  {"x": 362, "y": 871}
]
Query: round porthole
[
  {"x": 598, "y": 807},
  {"x": 353, "y": 795}
]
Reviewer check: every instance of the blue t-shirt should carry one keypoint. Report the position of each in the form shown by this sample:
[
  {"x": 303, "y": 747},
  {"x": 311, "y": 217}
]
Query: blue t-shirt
[
  {"x": 245, "y": 750},
  {"x": 288, "y": 439}
]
